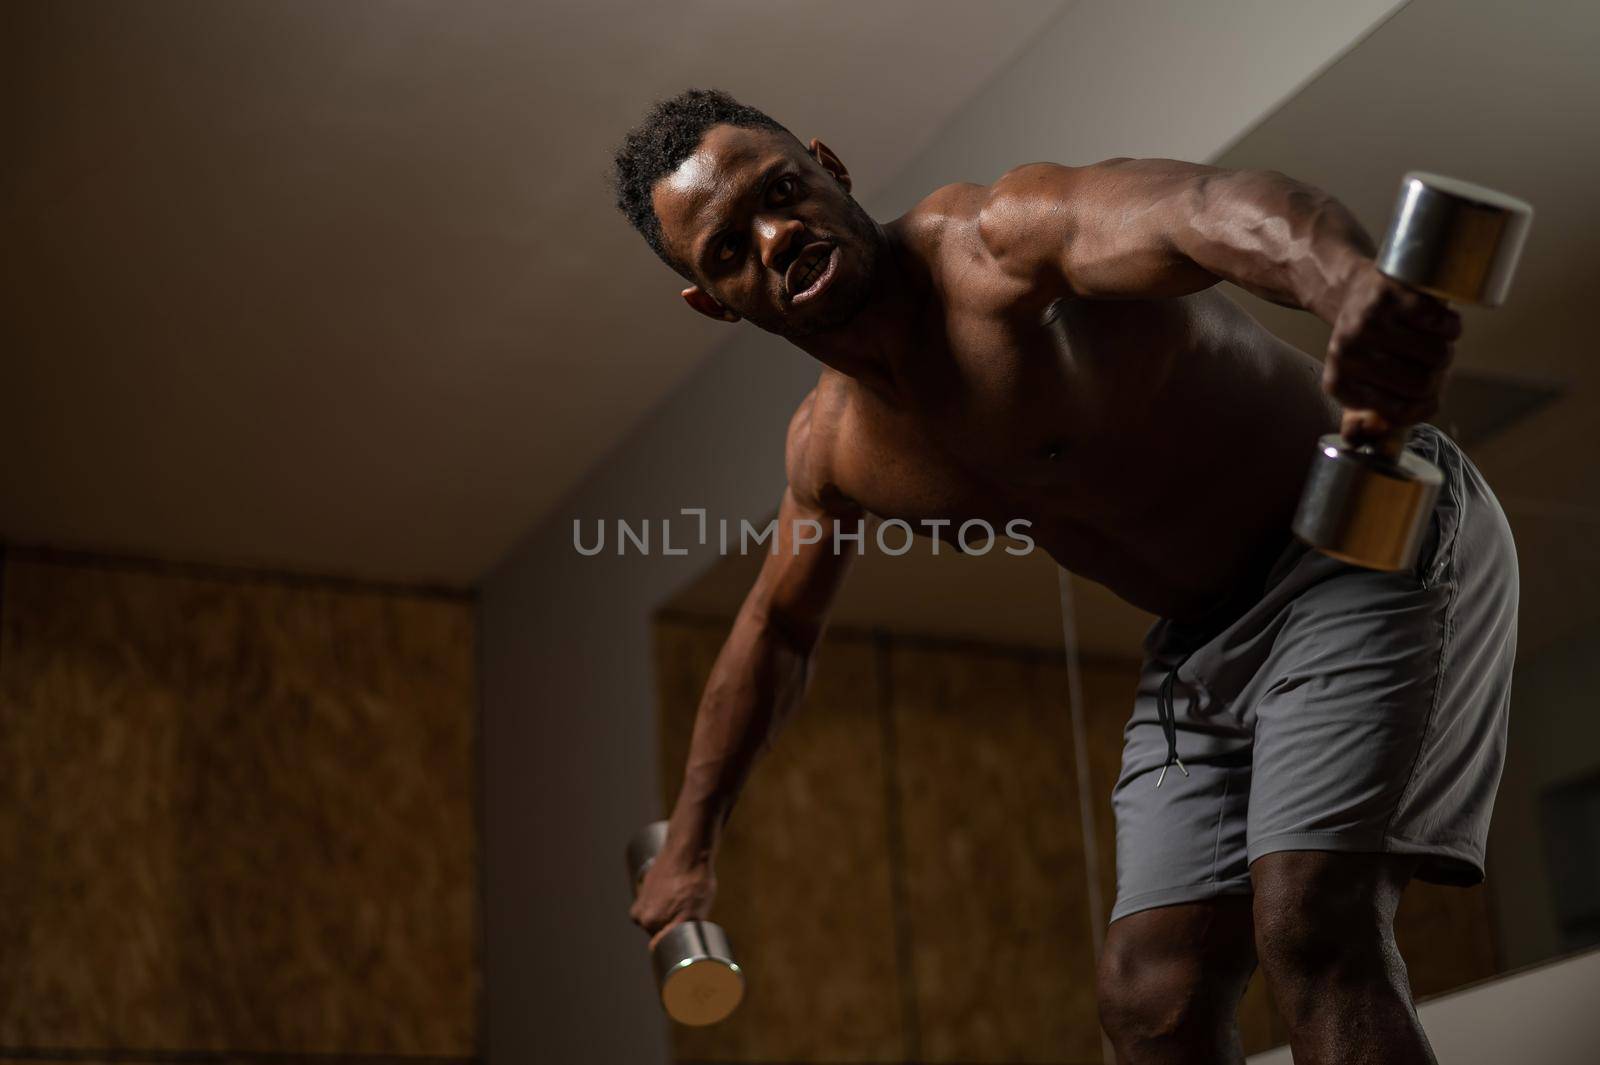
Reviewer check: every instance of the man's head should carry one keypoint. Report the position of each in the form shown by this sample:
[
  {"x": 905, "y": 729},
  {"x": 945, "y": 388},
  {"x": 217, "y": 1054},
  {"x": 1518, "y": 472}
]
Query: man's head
[{"x": 762, "y": 226}]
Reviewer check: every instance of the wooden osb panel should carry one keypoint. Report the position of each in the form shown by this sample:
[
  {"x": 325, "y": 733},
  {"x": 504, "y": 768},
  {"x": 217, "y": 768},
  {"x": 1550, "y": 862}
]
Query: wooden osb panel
[
  {"x": 235, "y": 815},
  {"x": 804, "y": 874},
  {"x": 188, "y": 1057},
  {"x": 1002, "y": 963}
]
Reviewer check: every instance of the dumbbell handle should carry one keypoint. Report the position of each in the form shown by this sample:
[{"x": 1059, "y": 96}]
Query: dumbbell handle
[{"x": 1389, "y": 445}]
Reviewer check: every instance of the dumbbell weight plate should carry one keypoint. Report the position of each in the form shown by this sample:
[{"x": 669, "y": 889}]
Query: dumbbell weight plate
[
  {"x": 643, "y": 848},
  {"x": 700, "y": 983},
  {"x": 1365, "y": 508},
  {"x": 1455, "y": 240}
]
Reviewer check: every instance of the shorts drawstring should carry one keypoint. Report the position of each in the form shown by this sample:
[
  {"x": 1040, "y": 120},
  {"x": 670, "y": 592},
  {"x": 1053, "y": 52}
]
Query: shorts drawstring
[{"x": 1169, "y": 720}]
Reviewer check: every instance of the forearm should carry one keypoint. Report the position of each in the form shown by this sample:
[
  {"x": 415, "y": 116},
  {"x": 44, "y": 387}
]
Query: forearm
[
  {"x": 1278, "y": 238},
  {"x": 756, "y": 683}
]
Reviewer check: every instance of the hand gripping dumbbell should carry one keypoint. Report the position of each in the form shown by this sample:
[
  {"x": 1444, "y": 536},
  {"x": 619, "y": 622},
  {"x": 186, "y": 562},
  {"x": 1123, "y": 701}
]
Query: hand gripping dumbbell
[
  {"x": 1369, "y": 504},
  {"x": 700, "y": 983}
]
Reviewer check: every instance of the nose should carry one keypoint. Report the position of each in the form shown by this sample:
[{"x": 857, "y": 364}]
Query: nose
[{"x": 780, "y": 240}]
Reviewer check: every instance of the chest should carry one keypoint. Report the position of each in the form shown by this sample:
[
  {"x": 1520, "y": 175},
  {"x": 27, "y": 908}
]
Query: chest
[
  {"x": 1004, "y": 417},
  {"x": 1043, "y": 401}
]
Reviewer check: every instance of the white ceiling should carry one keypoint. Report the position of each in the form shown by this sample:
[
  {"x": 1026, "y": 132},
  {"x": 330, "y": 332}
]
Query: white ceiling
[
  {"x": 1473, "y": 88},
  {"x": 338, "y": 287}
]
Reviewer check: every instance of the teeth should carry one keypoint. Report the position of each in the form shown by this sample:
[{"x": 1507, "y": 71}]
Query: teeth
[{"x": 811, "y": 273}]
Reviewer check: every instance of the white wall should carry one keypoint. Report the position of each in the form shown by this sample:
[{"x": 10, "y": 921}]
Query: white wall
[
  {"x": 1540, "y": 1016},
  {"x": 569, "y": 726}
]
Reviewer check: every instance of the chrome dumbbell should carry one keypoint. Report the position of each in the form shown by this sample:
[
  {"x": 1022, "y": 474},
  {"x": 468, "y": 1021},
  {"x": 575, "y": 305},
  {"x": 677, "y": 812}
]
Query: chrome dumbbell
[
  {"x": 1369, "y": 504},
  {"x": 699, "y": 981}
]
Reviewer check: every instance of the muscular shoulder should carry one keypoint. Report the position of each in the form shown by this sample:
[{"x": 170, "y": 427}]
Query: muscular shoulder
[
  {"x": 982, "y": 240},
  {"x": 1035, "y": 212},
  {"x": 1019, "y": 225},
  {"x": 813, "y": 444},
  {"x": 943, "y": 217},
  {"x": 1031, "y": 212}
]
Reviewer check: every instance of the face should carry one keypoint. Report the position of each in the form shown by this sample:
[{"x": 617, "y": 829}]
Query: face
[{"x": 769, "y": 232}]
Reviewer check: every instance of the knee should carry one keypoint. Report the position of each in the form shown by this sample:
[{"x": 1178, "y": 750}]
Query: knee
[
  {"x": 1317, "y": 925},
  {"x": 1150, "y": 992}
]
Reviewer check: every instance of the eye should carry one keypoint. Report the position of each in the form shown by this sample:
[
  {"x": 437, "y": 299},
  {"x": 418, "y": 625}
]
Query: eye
[
  {"x": 727, "y": 248},
  {"x": 783, "y": 188}
]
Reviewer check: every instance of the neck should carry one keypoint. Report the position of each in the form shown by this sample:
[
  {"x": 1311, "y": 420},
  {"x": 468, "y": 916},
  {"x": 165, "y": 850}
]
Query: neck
[{"x": 870, "y": 345}]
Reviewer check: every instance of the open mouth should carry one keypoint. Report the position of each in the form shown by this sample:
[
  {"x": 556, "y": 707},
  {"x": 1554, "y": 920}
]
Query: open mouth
[{"x": 811, "y": 271}]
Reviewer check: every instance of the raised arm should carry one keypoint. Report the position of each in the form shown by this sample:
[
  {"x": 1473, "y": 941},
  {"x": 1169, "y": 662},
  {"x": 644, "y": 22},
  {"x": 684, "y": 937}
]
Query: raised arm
[
  {"x": 756, "y": 683},
  {"x": 1159, "y": 227},
  {"x": 1148, "y": 228}
]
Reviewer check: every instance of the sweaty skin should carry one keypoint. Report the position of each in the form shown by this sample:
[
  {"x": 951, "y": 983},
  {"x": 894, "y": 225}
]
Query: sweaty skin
[{"x": 1050, "y": 347}]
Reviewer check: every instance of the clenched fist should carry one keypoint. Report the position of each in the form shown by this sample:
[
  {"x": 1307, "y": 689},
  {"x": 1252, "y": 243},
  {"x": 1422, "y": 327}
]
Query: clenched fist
[
  {"x": 1388, "y": 356},
  {"x": 676, "y": 889}
]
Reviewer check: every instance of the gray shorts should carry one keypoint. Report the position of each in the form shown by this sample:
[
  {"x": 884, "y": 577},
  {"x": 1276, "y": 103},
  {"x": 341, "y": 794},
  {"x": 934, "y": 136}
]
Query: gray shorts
[{"x": 1332, "y": 709}]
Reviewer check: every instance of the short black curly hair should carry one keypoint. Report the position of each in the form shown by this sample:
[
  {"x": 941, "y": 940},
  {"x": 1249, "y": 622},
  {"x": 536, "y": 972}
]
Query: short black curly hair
[{"x": 657, "y": 146}]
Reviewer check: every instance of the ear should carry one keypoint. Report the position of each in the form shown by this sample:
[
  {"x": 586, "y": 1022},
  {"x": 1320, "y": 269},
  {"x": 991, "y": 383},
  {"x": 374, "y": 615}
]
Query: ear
[
  {"x": 707, "y": 304},
  {"x": 830, "y": 162}
]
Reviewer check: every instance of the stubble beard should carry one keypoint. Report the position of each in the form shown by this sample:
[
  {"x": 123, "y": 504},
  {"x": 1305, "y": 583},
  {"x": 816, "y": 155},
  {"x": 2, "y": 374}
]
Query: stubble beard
[{"x": 845, "y": 305}]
